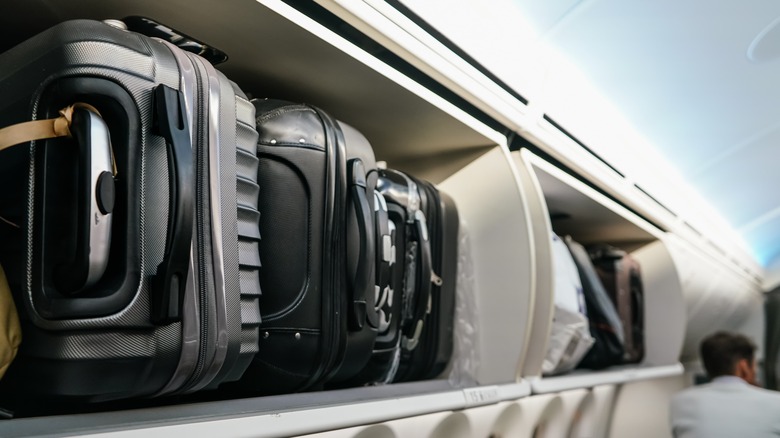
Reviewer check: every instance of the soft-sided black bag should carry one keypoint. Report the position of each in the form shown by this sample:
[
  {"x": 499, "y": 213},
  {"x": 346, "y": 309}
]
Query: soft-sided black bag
[
  {"x": 319, "y": 254},
  {"x": 434, "y": 350},
  {"x": 605, "y": 325},
  {"x": 622, "y": 278}
]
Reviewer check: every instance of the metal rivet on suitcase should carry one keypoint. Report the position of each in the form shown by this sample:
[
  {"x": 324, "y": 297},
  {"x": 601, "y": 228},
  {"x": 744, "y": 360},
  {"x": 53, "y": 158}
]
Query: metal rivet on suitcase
[
  {"x": 297, "y": 336},
  {"x": 303, "y": 140},
  {"x": 119, "y": 24},
  {"x": 266, "y": 335},
  {"x": 273, "y": 141}
]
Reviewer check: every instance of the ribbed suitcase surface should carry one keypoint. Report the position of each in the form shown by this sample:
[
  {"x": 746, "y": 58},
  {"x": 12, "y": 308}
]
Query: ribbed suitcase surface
[{"x": 118, "y": 338}]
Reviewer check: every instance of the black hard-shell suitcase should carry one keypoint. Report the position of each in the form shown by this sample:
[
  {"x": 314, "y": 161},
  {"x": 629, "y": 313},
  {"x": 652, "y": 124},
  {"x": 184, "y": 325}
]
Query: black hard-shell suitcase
[
  {"x": 319, "y": 260},
  {"x": 171, "y": 305},
  {"x": 434, "y": 350},
  {"x": 622, "y": 278},
  {"x": 605, "y": 325}
]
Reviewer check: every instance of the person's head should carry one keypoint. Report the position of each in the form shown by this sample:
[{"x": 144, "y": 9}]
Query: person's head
[{"x": 729, "y": 354}]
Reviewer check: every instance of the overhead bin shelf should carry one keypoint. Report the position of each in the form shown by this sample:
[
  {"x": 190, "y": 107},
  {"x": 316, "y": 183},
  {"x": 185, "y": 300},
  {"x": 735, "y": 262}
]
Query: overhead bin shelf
[
  {"x": 273, "y": 416},
  {"x": 688, "y": 292},
  {"x": 615, "y": 375},
  {"x": 568, "y": 206}
]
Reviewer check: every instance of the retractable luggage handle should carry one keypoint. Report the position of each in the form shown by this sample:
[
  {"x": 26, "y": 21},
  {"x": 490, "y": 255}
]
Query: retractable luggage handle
[
  {"x": 169, "y": 283},
  {"x": 361, "y": 289}
]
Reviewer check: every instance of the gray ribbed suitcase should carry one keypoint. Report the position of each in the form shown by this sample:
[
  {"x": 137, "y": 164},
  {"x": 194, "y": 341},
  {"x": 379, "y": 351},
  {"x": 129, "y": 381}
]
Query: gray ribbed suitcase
[{"x": 172, "y": 304}]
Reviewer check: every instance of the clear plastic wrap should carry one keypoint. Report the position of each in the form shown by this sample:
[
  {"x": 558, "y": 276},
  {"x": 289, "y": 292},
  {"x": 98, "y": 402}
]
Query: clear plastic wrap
[
  {"x": 465, "y": 358},
  {"x": 570, "y": 337},
  {"x": 569, "y": 341}
]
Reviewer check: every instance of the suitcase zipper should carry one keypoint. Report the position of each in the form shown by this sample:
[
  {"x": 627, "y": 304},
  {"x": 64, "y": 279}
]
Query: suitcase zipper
[
  {"x": 432, "y": 323},
  {"x": 200, "y": 181},
  {"x": 332, "y": 303}
]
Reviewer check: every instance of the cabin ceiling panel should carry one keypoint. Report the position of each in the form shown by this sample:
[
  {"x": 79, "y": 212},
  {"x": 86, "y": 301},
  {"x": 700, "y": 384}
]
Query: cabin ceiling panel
[{"x": 680, "y": 74}]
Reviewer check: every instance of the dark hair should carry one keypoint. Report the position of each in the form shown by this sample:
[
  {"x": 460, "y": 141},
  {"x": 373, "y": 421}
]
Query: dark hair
[{"x": 721, "y": 351}]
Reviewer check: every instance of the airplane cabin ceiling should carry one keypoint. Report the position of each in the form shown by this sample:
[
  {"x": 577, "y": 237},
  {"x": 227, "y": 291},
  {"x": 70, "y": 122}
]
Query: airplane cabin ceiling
[
  {"x": 698, "y": 80},
  {"x": 682, "y": 75}
]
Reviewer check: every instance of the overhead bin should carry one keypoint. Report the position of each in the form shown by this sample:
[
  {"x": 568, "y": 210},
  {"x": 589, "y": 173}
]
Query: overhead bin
[
  {"x": 567, "y": 206},
  {"x": 715, "y": 296},
  {"x": 275, "y": 51},
  {"x": 687, "y": 293}
]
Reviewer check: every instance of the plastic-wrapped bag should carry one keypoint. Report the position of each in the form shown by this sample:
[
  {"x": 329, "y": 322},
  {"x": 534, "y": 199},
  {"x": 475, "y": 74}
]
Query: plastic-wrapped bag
[
  {"x": 570, "y": 337},
  {"x": 465, "y": 359},
  {"x": 570, "y": 340}
]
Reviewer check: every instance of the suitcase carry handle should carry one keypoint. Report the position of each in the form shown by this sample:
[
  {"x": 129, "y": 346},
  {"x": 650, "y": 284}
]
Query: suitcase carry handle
[
  {"x": 362, "y": 291},
  {"x": 168, "y": 285},
  {"x": 424, "y": 284}
]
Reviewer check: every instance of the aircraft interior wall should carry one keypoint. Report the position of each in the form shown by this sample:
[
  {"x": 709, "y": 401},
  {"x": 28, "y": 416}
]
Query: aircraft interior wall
[{"x": 516, "y": 179}]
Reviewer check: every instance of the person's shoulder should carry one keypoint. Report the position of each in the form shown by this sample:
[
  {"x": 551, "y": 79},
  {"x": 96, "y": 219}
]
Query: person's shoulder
[
  {"x": 690, "y": 393},
  {"x": 769, "y": 395}
]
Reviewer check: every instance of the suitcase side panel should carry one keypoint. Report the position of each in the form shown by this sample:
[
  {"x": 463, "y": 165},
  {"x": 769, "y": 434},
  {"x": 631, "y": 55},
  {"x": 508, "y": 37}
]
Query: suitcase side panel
[
  {"x": 292, "y": 175},
  {"x": 136, "y": 357},
  {"x": 447, "y": 270}
]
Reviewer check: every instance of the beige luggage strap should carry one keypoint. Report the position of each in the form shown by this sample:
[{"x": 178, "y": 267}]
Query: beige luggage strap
[{"x": 41, "y": 129}]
